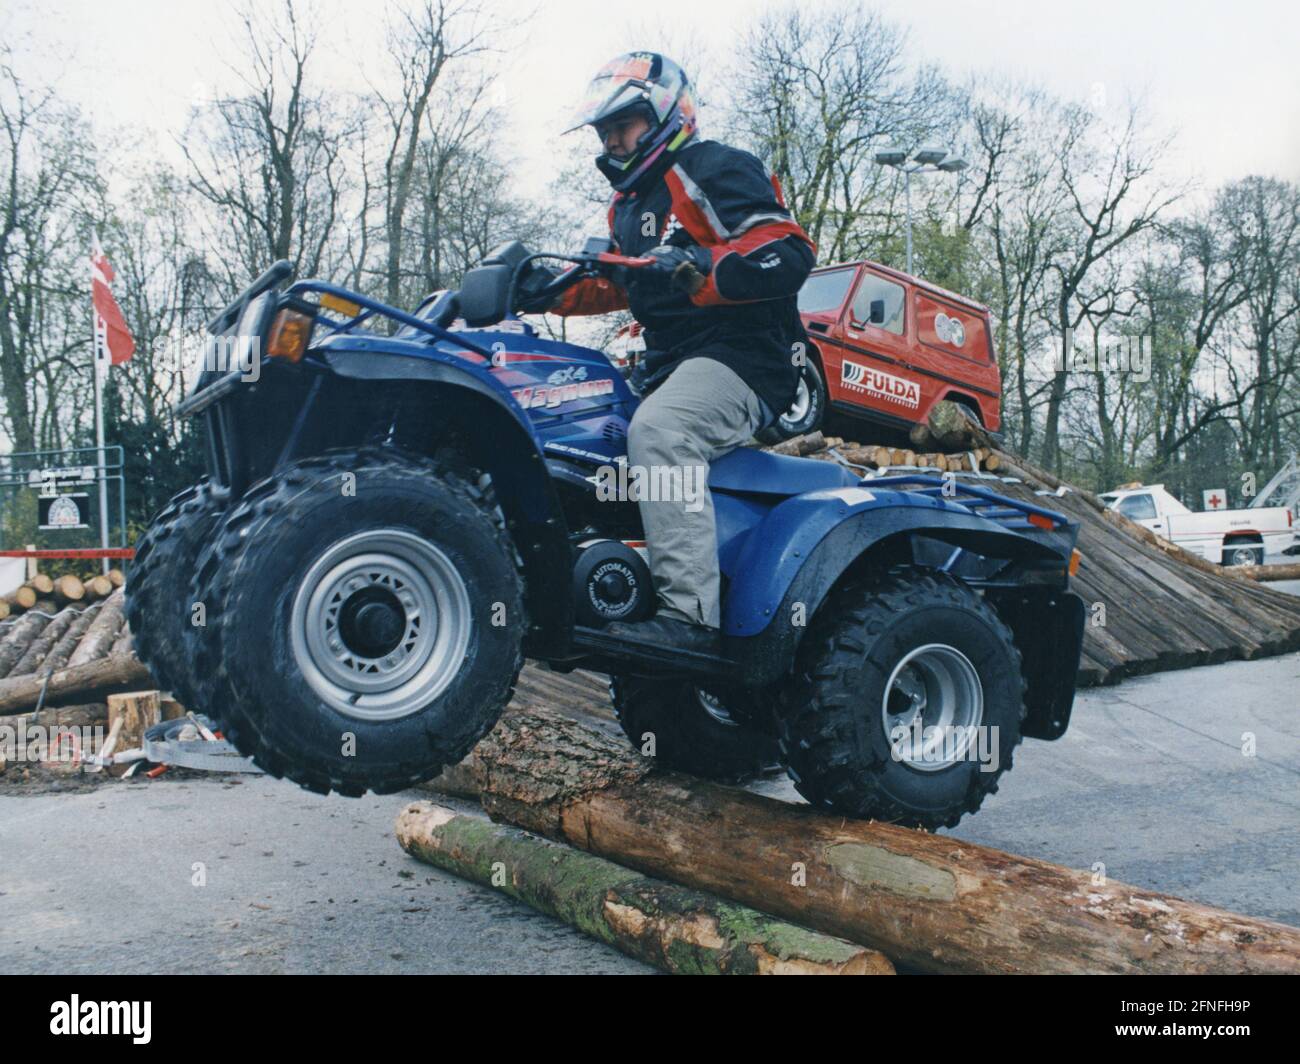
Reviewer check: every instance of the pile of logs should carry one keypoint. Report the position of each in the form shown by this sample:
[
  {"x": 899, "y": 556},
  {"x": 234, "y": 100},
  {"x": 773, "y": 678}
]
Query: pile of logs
[
  {"x": 77, "y": 654},
  {"x": 1151, "y": 605},
  {"x": 45, "y": 594},
  {"x": 925, "y": 902}
]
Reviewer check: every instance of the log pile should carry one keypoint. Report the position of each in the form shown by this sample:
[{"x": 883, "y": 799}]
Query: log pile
[
  {"x": 78, "y": 654},
  {"x": 1152, "y": 606},
  {"x": 45, "y": 594},
  {"x": 928, "y": 902}
]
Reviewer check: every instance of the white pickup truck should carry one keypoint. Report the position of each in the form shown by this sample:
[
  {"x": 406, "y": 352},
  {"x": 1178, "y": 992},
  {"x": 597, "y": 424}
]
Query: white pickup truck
[{"x": 1227, "y": 537}]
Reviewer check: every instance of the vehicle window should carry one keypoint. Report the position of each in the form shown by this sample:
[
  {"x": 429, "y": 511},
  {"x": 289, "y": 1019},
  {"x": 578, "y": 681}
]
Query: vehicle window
[
  {"x": 1138, "y": 507},
  {"x": 873, "y": 287},
  {"x": 824, "y": 291}
]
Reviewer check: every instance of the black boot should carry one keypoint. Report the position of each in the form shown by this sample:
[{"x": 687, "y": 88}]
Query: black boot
[{"x": 669, "y": 633}]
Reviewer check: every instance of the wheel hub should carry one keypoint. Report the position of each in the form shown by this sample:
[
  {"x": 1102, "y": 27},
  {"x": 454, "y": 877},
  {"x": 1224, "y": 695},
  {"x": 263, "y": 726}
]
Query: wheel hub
[
  {"x": 380, "y": 624},
  {"x": 932, "y": 706},
  {"x": 802, "y": 400}
]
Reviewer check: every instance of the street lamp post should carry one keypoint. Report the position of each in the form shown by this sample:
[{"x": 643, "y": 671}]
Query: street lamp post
[{"x": 926, "y": 160}]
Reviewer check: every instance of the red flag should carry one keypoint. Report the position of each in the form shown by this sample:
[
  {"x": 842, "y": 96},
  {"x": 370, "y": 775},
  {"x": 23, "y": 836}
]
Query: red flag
[{"x": 110, "y": 326}]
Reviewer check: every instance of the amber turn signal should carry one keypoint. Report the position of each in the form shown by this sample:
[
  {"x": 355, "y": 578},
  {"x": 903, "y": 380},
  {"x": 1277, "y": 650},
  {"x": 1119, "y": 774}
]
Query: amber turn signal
[
  {"x": 289, "y": 334},
  {"x": 1075, "y": 559}
]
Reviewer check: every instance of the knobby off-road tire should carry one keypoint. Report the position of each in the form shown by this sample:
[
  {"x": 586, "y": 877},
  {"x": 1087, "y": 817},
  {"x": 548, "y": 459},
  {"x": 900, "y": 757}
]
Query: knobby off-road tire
[
  {"x": 361, "y": 633},
  {"x": 693, "y": 730},
  {"x": 157, "y": 587},
  {"x": 876, "y": 653}
]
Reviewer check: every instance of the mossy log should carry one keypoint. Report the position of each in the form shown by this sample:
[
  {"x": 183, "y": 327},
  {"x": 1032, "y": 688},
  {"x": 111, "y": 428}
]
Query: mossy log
[{"x": 683, "y": 931}]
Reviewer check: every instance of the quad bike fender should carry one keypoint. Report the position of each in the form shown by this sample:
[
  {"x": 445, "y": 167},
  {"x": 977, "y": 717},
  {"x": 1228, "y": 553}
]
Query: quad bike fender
[
  {"x": 802, "y": 548},
  {"x": 510, "y": 454}
]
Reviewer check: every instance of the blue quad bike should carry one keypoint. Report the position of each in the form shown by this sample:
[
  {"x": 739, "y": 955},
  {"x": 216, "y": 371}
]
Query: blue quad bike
[{"x": 400, "y": 507}]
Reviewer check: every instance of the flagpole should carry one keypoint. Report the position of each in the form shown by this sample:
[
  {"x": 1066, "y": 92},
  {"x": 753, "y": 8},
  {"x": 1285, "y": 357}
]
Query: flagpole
[{"x": 99, "y": 433}]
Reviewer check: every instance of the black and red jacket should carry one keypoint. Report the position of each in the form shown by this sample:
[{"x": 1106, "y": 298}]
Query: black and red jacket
[{"x": 746, "y": 316}]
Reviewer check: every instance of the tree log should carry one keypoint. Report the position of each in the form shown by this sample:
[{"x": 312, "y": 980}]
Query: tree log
[
  {"x": 138, "y": 711},
  {"x": 22, "y": 634},
  {"x": 1266, "y": 572},
  {"x": 801, "y": 445},
  {"x": 953, "y": 426},
  {"x": 41, "y": 584},
  {"x": 79, "y": 716},
  {"x": 680, "y": 930},
  {"x": 62, "y": 650},
  {"x": 69, "y": 589},
  {"x": 98, "y": 587},
  {"x": 92, "y": 680},
  {"x": 21, "y": 598},
  {"x": 39, "y": 648},
  {"x": 102, "y": 633},
  {"x": 930, "y": 901},
  {"x": 116, "y": 578}
]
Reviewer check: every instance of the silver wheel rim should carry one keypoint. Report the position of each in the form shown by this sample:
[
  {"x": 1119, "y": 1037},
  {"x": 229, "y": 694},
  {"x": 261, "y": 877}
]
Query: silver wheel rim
[
  {"x": 802, "y": 401},
  {"x": 935, "y": 695},
  {"x": 423, "y": 614},
  {"x": 1243, "y": 556},
  {"x": 714, "y": 708}
]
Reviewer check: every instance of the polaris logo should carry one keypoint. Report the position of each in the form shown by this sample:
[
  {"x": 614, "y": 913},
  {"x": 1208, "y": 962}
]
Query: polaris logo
[
  {"x": 878, "y": 383},
  {"x": 102, "y": 1017}
]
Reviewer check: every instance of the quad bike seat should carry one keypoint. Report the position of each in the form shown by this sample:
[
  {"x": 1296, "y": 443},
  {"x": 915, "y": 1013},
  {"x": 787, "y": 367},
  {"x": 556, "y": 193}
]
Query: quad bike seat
[{"x": 752, "y": 472}]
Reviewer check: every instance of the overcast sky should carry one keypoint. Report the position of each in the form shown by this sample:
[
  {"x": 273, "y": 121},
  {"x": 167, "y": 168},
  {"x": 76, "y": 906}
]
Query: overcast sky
[{"x": 1226, "y": 76}]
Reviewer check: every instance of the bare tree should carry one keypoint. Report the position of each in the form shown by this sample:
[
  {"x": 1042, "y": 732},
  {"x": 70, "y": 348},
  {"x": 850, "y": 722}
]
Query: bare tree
[{"x": 1105, "y": 175}]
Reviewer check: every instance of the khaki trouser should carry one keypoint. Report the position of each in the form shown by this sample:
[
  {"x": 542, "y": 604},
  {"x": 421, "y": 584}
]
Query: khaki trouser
[{"x": 702, "y": 411}]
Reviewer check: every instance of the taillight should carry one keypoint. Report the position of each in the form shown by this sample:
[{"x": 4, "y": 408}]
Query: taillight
[
  {"x": 290, "y": 331},
  {"x": 1042, "y": 521}
]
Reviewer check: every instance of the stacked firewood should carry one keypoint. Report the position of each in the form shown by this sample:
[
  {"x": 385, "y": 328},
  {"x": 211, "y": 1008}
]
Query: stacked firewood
[
  {"x": 46, "y": 594},
  {"x": 74, "y": 654}
]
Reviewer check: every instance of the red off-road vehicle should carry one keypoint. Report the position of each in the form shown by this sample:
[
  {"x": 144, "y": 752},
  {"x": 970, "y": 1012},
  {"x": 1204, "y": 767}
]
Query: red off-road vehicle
[{"x": 886, "y": 347}]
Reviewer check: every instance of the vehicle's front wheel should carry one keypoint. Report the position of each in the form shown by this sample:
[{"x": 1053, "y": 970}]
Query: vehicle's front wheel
[
  {"x": 364, "y": 621},
  {"x": 689, "y": 729},
  {"x": 807, "y": 411},
  {"x": 906, "y": 702}
]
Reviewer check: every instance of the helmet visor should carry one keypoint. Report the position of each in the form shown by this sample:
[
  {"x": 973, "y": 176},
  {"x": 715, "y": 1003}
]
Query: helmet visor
[{"x": 605, "y": 97}]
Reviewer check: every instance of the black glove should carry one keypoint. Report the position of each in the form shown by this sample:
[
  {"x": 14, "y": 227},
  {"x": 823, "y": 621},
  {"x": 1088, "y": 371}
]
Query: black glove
[{"x": 685, "y": 268}]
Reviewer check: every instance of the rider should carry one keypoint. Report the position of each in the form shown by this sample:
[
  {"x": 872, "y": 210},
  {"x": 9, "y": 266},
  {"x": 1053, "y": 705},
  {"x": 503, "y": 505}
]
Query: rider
[{"x": 723, "y": 335}]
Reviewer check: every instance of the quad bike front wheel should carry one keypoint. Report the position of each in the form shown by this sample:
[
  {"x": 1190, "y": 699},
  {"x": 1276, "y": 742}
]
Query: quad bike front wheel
[
  {"x": 807, "y": 411},
  {"x": 906, "y": 702},
  {"x": 158, "y": 610},
  {"x": 691, "y": 728},
  {"x": 365, "y": 619}
]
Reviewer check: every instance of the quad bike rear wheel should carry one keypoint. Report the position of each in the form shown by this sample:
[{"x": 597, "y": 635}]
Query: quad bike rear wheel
[
  {"x": 906, "y": 701},
  {"x": 691, "y": 728},
  {"x": 365, "y": 620},
  {"x": 158, "y": 609}
]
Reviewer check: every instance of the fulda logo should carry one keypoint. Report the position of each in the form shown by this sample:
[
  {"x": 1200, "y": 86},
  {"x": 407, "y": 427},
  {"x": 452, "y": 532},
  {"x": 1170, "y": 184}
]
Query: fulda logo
[
  {"x": 876, "y": 382},
  {"x": 530, "y": 398},
  {"x": 949, "y": 330}
]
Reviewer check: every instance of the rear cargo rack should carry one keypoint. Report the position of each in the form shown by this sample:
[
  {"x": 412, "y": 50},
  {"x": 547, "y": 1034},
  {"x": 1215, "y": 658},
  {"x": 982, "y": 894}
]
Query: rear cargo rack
[{"x": 1009, "y": 512}]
